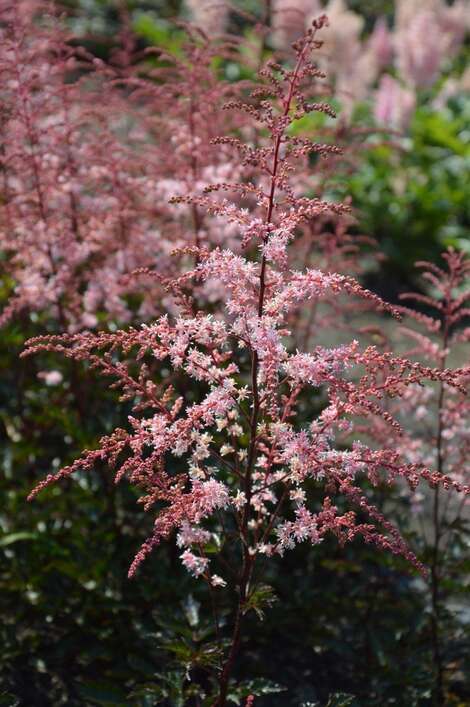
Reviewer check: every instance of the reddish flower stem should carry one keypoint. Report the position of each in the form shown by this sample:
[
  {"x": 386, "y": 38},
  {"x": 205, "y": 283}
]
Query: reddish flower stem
[{"x": 248, "y": 561}]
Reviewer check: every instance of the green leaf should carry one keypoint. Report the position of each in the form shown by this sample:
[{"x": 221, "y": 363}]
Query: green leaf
[
  {"x": 257, "y": 687},
  {"x": 158, "y": 32},
  {"x": 8, "y": 700},
  {"x": 150, "y": 690},
  {"x": 340, "y": 699},
  {"x": 261, "y": 596}
]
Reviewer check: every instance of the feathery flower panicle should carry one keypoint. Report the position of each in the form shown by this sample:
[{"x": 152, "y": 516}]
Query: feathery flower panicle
[
  {"x": 419, "y": 49},
  {"x": 89, "y": 164},
  {"x": 230, "y": 409},
  {"x": 206, "y": 436},
  {"x": 394, "y": 103},
  {"x": 442, "y": 331},
  {"x": 424, "y": 36},
  {"x": 381, "y": 43},
  {"x": 68, "y": 197},
  {"x": 435, "y": 428}
]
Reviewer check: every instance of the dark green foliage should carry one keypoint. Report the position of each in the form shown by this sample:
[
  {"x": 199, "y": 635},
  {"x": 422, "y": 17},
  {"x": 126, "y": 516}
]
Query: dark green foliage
[{"x": 413, "y": 196}]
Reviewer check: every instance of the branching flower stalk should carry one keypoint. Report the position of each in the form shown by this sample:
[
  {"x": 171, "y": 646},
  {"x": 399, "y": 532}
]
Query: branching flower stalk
[
  {"x": 294, "y": 80},
  {"x": 248, "y": 560},
  {"x": 449, "y": 285},
  {"x": 449, "y": 441},
  {"x": 230, "y": 426}
]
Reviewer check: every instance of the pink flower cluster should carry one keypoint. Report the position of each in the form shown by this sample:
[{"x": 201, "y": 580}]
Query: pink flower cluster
[
  {"x": 92, "y": 152},
  {"x": 233, "y": 421},
  {"x": 239, "y": 448}
]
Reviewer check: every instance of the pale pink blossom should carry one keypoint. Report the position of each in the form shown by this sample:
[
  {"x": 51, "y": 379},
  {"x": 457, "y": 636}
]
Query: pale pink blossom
[
  {"x": 394, "y": 104},
  {"x": 381, "y": 43},
  {"x": 191, "y": 535},
  {"x": 51, "y": 377},
  {"x": 217, "y": 581},
  {"x": 420, "y": 50},
  {"x": 193, "y": 563}
]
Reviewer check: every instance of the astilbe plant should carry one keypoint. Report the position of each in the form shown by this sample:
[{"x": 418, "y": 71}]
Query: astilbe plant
[
  {"x": 175, "y": 97},
  {"x": 437, "y": 433},
  {"x": 216, "y": 441},
  {"x": 66, "y": 191},
  {"x": 91, "y": 150}
]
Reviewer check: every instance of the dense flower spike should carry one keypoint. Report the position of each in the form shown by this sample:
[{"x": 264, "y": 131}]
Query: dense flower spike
[
  {"x": 394, "y": 104},
  {"x": 241, "y": 425}
]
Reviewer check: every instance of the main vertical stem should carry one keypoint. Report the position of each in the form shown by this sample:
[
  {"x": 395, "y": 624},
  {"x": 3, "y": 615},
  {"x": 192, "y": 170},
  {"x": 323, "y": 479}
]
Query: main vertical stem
[
  {"x": 435, "y": 571},
  {"x": 248, "y": 561}
]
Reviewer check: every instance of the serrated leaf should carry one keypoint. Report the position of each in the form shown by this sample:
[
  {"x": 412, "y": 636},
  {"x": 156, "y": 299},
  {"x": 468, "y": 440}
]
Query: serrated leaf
[
  {"x": 256, "y": 687},
  {"x": 260, "y": 597}
]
